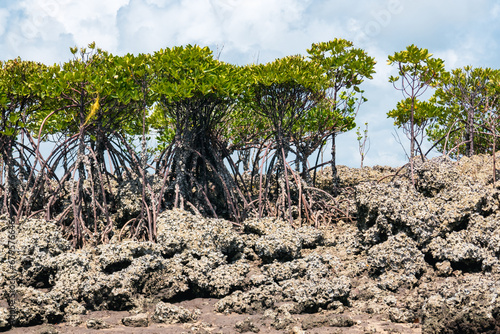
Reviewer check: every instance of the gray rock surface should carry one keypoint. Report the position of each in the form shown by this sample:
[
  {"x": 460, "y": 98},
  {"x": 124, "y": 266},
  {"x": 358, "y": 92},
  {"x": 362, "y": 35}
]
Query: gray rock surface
[
  {"x": 466, "y": 305},
  {"x": 97, "y": 324},
  {"x": 245, "y": 326},
  {"x": 311, "y": 295},
  {"x": 447, "y": 226},
  {"x": 179, "y": 229},
  {"x": 414, "y": 255},
  {"x": 138, "y": 320},
  {"x": 447, "y": 220},
  {"x": 172, "y": 314},
  {"x": 37, "y": 242},
  {"x": 252, "y": 301},
  {"x": 282, "y": 245},
  {"x": 4, "y": 319},
  {"x": 397, "y": 261}
]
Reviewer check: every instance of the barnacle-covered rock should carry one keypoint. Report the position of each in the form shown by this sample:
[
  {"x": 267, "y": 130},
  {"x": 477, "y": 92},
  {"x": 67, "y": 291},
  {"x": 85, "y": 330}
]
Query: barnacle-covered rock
[
  {"x": 254, "y": 300},
  {"x": 398, "y": 254},
  {"x": 314, "y": 266},
  {"x": 167, "y": 282},
  {"x": 311, "y": 236},
  {"x": 317, "y": 293},
  {"x": 4, "y": 319},
  {"x": 264, "y": 226},
  {"x": 457, "y": 250},
  {"x": 469, "y": 305},
  {"x": 280, "y": 241},
  {"x": 35, "y": 307},
  {"x": 171, "y": 314},
  {"x": 350, "y": 177},
  {"x": 115, "y": 257},
  {"x": 36, "y": 242},
  {"x": 178, "y": 227},
  {"x": 445, "y": 209},
  {"x": 138, "y": 320},
  {"x": 222, "y": 280},
  {"x": 283, "y": 245}
]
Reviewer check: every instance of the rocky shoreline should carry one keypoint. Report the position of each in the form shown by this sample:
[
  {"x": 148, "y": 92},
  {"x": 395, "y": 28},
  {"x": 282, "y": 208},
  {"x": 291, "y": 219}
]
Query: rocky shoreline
[{"x": 423, "y": 259}]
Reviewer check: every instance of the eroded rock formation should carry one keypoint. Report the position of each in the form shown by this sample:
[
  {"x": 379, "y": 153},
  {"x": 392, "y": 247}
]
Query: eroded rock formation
[{"x": 428, "y": 254}]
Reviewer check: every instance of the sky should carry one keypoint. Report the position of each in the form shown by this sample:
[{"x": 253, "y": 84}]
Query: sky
[{"x": 461, "y": 32}]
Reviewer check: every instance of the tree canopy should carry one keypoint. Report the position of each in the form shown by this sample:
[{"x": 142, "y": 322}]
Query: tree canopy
[
  {"x": 186, "y": 130},
  {"x": 345, "y": 67},
  {"x": 417, "y": 71},
  {"x": 467, "y": 96}
]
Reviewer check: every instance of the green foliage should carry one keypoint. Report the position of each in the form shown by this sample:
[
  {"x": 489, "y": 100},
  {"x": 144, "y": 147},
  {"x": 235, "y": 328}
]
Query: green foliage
[
  {"x": 21, "y": 95},
  {"x": 468, "y": 98},
  {"x": 283, "y": 76},
  {"x": 186, "y": 79},
  {"x": 94, "y": 90},
  {"x": 21, "y": 90},
  {"x": 345, "y": 68},
  {"x": 417, "y": 70},
  {"x": 192, "y": 72},
  {"x": 283, "y": 93},
  {"x": 127, "y": 84},
  {"x": 362, "y": 138},
  {"x": 424, "y": 112},
  {"x": 344, "y": 65},
  {"x": 293, "y": 70}
]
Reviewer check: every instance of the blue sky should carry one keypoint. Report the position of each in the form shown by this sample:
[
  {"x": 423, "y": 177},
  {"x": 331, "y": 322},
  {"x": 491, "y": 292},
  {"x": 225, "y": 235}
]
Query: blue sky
[{"x": 461, "y": 32}]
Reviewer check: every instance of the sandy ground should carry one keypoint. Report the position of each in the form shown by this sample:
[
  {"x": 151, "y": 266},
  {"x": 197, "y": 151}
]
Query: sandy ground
[{"x": 211, "y": 322}]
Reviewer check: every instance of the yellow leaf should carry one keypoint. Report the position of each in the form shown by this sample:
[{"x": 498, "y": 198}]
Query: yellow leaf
[{"x": 93, "y": 110}]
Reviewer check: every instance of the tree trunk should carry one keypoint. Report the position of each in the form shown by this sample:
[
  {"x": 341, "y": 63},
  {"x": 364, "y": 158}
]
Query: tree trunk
[
  {"x": 412, "y": 139},
  {"x": 335, "y": 178},
  {"x": 10, "y": 189},
  {"x": 305, "y": 170},
  {"x": 144, "y": 160},
  {"x": 469, "y": 135},
  {"x": 494, "y": 158},
  {"x": 78, "y": 195}
]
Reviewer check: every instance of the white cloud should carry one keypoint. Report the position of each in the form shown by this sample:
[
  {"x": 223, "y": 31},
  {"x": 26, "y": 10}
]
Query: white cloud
[
  {"x": 85, "y": 21},
  {"x": 241, "y": 26},
  {"x": 4, "y": 14},
  {"x": 459, "y": 31},
  {"x": 495, "y": 12},
  {"x": 452, "y": 59}
]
